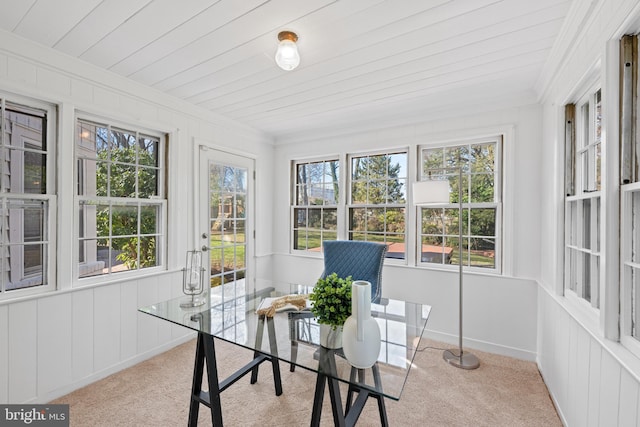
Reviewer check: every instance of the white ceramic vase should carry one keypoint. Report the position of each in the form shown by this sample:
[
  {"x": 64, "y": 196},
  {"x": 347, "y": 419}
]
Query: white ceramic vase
[
  {"x": 361, "y": 333},
  {"x": 330, "y": 337}
]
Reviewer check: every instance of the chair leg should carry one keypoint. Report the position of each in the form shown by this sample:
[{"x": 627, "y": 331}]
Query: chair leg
[{"x": 294, "y": 355}]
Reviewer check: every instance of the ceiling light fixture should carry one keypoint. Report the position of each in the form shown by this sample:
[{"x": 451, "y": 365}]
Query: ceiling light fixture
[{"x": 287, "y": 56}]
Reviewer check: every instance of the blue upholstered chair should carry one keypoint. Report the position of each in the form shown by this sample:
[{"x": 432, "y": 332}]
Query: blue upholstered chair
[{"x": 360, "y": 260}]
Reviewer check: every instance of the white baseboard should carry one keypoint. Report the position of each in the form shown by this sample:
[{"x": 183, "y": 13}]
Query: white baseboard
[{"x": 482, "y": 346}]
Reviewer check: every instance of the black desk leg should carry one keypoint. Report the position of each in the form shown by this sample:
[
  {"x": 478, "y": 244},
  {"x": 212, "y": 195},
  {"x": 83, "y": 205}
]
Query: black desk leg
[
  {"x": 354, "y": 408},
  {"x": 327, "y": 364},
  {"x": 275, "y": 363},
  {"x": 273, "y": 346},
  {"x": 378, "y": 384},
  {"x": 205, "y": 351}
]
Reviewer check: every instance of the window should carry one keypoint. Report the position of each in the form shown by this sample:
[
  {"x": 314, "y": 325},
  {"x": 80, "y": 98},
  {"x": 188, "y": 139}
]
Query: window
[
  {"x": 315, "y": 203},
  {"x": 120, "y": 199},
  {"x": 582, "y": 203},
  {"x": 27, "y": 199},
  {"x": 630, "y": 199},
  {"x": 377, "y": 207},
  {"x": 479, "y": 165}
]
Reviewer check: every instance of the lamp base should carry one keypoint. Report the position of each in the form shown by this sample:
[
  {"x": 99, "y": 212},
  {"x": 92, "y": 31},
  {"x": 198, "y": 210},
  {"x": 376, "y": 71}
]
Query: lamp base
[{"x": 461, "y": 359}]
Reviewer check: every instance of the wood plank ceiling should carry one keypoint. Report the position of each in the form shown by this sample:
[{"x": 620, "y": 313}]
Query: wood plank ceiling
[{"x": 364, "y": 62}]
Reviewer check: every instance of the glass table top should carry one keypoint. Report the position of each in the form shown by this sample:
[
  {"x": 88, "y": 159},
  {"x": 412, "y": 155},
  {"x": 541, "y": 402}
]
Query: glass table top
[{"x": 235, "y": 320}]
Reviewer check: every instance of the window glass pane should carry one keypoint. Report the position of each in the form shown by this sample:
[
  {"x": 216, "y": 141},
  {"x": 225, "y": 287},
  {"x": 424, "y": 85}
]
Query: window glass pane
[
  {"x": 24, "y": 164},
  {"x": 239, "y": 232},
  {"x": 483, "y": 222},
  {"x": 451, "y": 222},
  {"x": 124, "y": 254},
  {"x": 635, "y": 227},
  {"x": 375, "y": 220},
  {"x": 35, "y": 172},
  {"x": 123, "y": 146},
  {"x": 358, "y": 219},
  {"x": 571, "y": 277},
  {"x": 124, "y": 220},
  {"x": 482, "y": 189},
  {"x": 300, "y": 239},
  {"x": 573, "y": 223},
  {"x": 432, "y": 221},
  {"x": 330, "y": 219},
  {"x": 24, "y": 255},
  {"x": 300, "y": 218},
  {"x": 432, "y": 159},
  {"x": 148, "y": 151},
  {"x": 334, "y": 178},
  {"x": 148, "y": 253},
  {"x": 396, "y": 190},
  {"x": 241, "y": 181},
  {"x": 329, "y": 194},
  {"x": 586, "y": 224},
  {"x": 147, "y": 182},
  {"x": 434, "y": 251},
  {"x": 586, "y": 276},
  {"x": 122, "y": 181},
  {"x": 359, "y": 193},
  {"x": 315, "y": 218},
  {"x": 584, "y": 140},
  {"x": 22, "y": 127},
  {"x": 483, "y": 252}
]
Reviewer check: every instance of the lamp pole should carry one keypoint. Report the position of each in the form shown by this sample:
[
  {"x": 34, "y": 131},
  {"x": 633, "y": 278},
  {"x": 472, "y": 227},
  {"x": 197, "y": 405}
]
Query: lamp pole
[{"x": 458, "y": 358}]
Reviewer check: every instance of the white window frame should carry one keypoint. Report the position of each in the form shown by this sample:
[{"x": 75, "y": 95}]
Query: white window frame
[
  {"x": 159, "y": 200},
  {"x": 586, "y": 192},
  {"x": 49, "y": 198},
  {"x": 295, "y": 205},
  {"x": 497, "y": 204},
  {"x": 629, "y": 269}
]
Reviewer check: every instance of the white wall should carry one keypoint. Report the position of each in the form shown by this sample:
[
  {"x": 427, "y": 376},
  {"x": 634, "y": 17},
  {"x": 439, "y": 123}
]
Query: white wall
[
  {"x": 593, "y": 380},
  {"x": 54, "y": 343},
  {"x": 500, "y": 311}
]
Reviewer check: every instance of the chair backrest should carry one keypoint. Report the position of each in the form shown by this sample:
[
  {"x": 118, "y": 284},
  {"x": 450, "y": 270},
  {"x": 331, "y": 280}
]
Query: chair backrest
[{"x": 360, "y": 260}]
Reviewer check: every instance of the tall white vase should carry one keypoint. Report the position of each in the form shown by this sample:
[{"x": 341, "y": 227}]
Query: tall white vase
[{"x": 361, "y": 334}]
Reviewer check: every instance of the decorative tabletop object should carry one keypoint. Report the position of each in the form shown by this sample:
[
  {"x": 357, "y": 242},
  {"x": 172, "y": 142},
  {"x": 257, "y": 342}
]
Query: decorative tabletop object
[
  {"x": 270, "y": 306},
  {"x": 193, "y": 280},
  {"x": 331, "y": 306},
  {"x": 361, "y": 333}
]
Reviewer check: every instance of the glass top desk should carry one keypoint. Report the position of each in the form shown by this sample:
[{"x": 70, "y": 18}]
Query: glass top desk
[{"x": 235, "y": 321}]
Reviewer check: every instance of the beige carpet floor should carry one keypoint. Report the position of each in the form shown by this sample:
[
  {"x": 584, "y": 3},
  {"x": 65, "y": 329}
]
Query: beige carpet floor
[{"x": 502, "y": 392}]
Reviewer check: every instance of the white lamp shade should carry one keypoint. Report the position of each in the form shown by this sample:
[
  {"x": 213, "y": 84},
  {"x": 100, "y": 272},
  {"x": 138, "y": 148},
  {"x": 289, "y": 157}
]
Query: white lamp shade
[
  {"x": 430, "y": 192},
  {"x": 287, "y": 56}
]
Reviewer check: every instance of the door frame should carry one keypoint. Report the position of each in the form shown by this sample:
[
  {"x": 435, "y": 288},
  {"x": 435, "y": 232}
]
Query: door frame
[{"x": 201, "y": 149}]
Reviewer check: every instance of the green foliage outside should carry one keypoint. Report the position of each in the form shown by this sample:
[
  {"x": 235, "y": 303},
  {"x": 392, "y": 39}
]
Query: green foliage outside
[
  {"x": 376, "y": 180},
  {"x": 479, "y": 224},
  {"x": 124, "y": 218},
  {"x": 331, "y": 300}
]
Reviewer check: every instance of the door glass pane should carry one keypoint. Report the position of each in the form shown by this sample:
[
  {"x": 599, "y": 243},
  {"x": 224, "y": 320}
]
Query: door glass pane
[{"x": 227, "y": 207}]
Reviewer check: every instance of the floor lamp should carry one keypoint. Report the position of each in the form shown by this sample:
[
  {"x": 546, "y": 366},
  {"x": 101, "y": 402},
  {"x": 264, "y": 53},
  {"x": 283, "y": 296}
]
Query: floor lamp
[{"x": 435, "y": 192}]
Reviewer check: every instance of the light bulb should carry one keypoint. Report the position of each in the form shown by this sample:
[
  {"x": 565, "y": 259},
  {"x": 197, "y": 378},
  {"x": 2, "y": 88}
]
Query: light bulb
[{"x": 287, "y": 56}]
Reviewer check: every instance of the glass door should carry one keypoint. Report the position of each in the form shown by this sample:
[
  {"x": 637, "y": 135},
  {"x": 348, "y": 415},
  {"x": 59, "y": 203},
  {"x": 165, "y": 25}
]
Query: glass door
[{"x": 226, "y": 187}]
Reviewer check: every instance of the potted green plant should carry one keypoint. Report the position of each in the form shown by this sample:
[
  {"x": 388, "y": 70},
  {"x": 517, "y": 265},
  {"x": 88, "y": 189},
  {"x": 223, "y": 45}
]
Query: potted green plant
[{"x": 331, "y": 306}]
